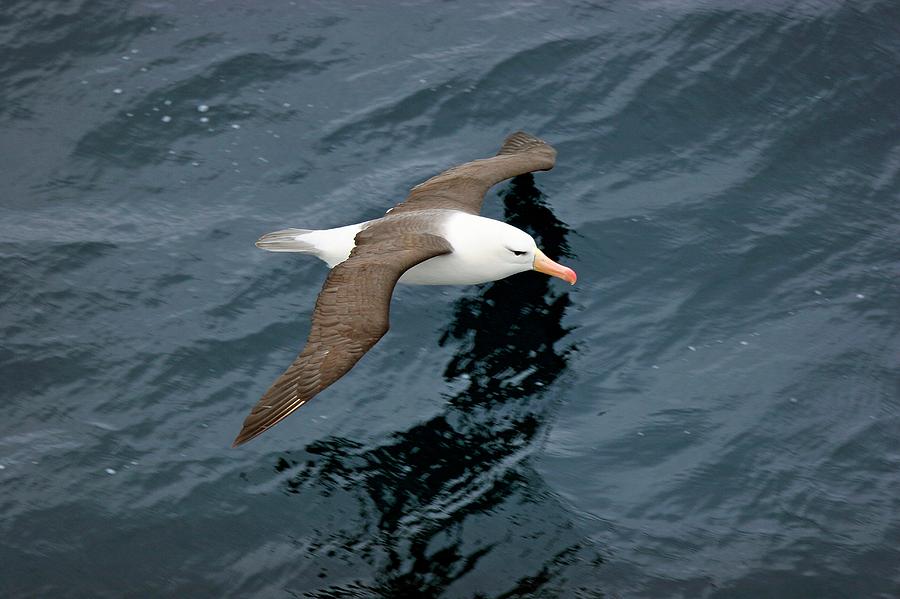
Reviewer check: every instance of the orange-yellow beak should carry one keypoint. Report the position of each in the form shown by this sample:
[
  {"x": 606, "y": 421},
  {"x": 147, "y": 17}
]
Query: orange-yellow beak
[{"x": 547, "y": 266}]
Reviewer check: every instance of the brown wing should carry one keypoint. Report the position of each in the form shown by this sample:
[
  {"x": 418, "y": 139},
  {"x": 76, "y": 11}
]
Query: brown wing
[
  {"x": 351, "y": 315},
  {"x": 463, "y": 187}
]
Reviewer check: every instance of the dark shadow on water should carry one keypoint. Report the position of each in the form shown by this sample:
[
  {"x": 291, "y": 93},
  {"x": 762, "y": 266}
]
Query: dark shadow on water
[
  {"x": 509, "y": 330},
  {"x": 444, "y": 497}
]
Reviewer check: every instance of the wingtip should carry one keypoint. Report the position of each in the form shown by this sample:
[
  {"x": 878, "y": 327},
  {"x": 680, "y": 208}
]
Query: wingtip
[
  {"x": 252, "y": 430},
  {"x": 520, "y": 142},
  {"x": 243, "y": 437}
]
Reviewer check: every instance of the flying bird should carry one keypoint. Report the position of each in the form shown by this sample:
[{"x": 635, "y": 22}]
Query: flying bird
[{"x": 434, "y": 237}]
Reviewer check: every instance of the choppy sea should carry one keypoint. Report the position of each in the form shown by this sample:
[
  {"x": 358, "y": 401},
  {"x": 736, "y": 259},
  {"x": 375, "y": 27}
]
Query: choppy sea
[{"x": 712, "y": 411}]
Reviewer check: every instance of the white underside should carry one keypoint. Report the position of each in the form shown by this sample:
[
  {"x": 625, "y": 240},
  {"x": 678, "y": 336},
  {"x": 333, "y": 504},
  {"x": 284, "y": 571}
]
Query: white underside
[
  {"x": 475, "y": 257},
  {"x": 446, "y": 270}
]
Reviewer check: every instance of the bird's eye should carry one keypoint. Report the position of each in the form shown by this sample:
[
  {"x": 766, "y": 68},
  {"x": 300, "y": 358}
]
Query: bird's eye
[{"x": 518, "y": 253}]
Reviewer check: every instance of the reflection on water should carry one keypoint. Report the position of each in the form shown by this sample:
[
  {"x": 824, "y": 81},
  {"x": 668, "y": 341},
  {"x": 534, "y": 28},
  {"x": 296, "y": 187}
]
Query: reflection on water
[
  {"x": 509, "y": 330},
  {"x": 421, "y": 494}
]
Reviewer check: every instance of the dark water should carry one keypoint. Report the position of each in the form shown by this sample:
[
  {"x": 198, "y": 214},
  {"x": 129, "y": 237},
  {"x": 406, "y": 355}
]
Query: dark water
[{"x": 713, "y": 411}]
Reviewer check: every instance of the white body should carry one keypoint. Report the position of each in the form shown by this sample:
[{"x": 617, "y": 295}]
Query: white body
[{"x": 483, "y": 250}]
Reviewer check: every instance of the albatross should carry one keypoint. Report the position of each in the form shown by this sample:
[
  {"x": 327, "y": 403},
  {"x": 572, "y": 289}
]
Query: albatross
[{"x": 436, "y": 236}]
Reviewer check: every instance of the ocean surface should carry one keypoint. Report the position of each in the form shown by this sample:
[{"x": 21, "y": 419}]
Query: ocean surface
[{"x": 712, "y": 411}]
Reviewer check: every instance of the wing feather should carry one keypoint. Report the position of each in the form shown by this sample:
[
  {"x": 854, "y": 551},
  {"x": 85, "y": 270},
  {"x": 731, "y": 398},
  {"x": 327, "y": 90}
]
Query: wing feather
[
  {"x": 463, "y": 187},
  {"x": 351, "y": 315}
]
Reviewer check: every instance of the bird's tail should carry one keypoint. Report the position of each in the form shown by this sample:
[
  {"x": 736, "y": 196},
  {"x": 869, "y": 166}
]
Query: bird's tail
[{"x": 287, "y": 240}]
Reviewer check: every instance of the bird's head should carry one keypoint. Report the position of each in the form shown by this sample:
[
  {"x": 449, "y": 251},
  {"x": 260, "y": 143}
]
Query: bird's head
[
  {"x": 507, "y": 250},
  {"x": 519, "y": 249},
  {"x": 488, "y": 250}
]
